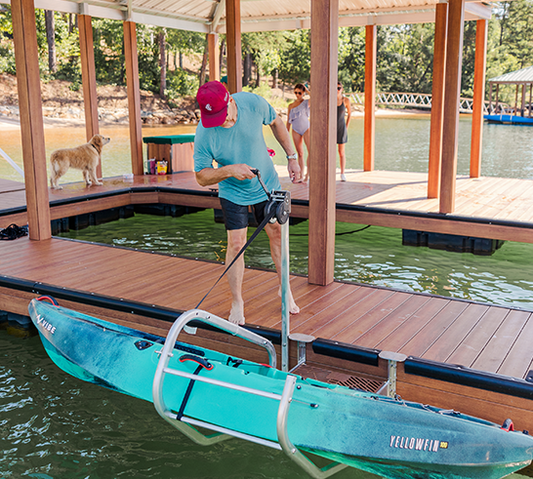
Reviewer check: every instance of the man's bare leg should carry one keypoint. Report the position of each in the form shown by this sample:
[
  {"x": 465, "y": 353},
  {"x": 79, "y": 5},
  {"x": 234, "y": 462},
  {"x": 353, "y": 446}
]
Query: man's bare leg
[
  {"x": 274, "y": 235},
  {"x": 236, "y": 240}
]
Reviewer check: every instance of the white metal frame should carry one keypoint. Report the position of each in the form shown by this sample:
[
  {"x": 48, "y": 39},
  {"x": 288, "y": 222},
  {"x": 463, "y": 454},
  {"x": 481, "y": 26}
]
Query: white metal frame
[{"x": 187, "y": 424}]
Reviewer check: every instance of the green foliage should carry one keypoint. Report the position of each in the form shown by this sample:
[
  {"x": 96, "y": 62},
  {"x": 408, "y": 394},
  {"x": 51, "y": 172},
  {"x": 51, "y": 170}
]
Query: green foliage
[
  {"x": 295, "y": 61},
  {"x": 352, "y": 58},
  {"x": 7, "y": 51},
  {"x": 108, "y": 40},
  {"x": 266, "y": 92},
  {"x": 265, "y": 49},
  {"x": 181, "y": 83}
]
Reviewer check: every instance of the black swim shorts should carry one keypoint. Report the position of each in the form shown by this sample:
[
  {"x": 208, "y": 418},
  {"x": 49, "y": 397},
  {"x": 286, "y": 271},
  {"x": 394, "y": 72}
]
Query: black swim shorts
[{"x": 236, "y": 216}]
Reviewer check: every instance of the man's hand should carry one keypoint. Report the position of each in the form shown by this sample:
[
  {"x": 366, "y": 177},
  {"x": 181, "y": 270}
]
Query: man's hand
[
  {"x": 242, "y": 171},
  {"x": 294, "y": 171}
]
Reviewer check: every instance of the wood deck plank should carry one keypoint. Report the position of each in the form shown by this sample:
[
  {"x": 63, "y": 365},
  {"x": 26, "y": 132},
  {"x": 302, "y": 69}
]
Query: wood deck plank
[
  {"x": 456, "y": 332},
  {"x": 350, "y": 314},
  {"x": 518, "y": 363},
  {"x": 334, "y": 296},
  {"x": 375, "y": 334},
  {"x": 356, "y": 300},
  {"x": 416, "y": 320},
  {"x": 478, "y": 337},
  {"x": 358, "y": 327},
  {"x": 497, "y": 349},
  {"x": 433, "y": 329}
]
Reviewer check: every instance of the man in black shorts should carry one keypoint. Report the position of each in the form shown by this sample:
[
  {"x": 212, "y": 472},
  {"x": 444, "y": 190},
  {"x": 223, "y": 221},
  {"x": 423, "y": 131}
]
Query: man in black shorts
[{"x": 231, "y": 133}]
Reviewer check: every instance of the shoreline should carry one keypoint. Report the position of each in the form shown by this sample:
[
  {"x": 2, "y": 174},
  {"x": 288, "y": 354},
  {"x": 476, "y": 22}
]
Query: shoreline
[{"x": 10, "y": 123}]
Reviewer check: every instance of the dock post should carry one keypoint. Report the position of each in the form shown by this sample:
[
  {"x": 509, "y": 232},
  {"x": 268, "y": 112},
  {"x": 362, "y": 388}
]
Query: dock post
[
  {"x": 393, "y": 359},
  {"x": 285, "y": 313}
]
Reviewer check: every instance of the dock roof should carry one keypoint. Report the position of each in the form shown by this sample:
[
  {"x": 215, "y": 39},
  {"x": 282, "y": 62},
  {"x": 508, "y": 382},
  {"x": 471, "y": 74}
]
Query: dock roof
[
  {"x": 525, "y": 75},
  {"x": 208, "y": 16}
]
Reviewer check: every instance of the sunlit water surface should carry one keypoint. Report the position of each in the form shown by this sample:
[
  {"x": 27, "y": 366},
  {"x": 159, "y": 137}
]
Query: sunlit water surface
[
  {"x": 402, "y": 144},
  {"x": 54, "y": 426}
]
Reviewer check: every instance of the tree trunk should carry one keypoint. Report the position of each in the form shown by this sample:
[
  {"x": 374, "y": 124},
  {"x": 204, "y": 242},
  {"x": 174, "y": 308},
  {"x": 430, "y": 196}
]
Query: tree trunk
[
  {"x": 162, "y": 63},
  {"x": 247, "y": 70},
  {"x": 257, "y": 76},
  {"x": 181, "y": 61},
  {"x": 50, "y": 39},
  {"x": 275, "y": 78},
  {"x": 221, "y": 55},
  {"x": 203, "y": 68}
]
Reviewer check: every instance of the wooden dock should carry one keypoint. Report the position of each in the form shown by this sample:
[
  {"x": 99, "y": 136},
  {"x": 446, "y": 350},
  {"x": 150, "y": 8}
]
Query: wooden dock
[
  {"x": 494, "y": 208},
  {"x": 351, "y": 322}
]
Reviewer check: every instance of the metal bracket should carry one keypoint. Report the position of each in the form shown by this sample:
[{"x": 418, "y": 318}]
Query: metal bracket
[
  {"x": 389, "y": 388},
  {"x": 301, "y": 342}
]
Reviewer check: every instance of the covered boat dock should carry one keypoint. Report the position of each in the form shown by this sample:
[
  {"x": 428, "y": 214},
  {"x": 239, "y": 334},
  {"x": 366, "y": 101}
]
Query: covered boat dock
[{"x": 461, "y": 355}]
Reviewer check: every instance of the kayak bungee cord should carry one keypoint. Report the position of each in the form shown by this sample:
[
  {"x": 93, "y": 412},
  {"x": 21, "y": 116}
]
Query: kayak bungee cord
[{"x": 277, "y": 208}]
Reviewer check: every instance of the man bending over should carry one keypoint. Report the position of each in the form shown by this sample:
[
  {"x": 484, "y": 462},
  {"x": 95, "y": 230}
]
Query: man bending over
[{"x": 231, "y": 133}]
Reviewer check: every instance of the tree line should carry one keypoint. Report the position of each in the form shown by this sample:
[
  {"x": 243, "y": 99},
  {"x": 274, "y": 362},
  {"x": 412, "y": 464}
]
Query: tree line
[{"x": 404, "y": 53}]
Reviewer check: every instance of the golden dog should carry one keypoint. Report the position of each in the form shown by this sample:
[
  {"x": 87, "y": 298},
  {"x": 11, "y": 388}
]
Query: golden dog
[{"x": 84, "y": 157}]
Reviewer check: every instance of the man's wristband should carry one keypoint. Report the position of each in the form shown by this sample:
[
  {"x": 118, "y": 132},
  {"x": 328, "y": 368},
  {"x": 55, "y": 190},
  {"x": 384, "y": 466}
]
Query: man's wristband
[{"x": 294, "y": 156}]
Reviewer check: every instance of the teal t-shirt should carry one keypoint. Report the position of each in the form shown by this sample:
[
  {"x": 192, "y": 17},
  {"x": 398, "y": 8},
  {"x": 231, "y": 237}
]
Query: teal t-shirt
[{"x": 242, "y": 143}]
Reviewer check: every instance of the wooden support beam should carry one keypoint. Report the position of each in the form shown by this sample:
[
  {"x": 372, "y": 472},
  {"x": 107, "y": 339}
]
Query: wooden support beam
[
  {"x": 370, "y": 97},
  {"x": 212, "y": 48},
  {"x": 530, "y": 95},
  {"x": 523, "y": 108},
  {"x": 322, "y": 154},
  {"x": 31, "y": 118},
  {"x": 450, "y": 125},
  {"x": 134, "y": 97},
  {"x": 233, "y": 39},
  {"x": 437, "y": 100},
  {"x": 88, "y": 78},
  {"x": 479, "y": 98}
]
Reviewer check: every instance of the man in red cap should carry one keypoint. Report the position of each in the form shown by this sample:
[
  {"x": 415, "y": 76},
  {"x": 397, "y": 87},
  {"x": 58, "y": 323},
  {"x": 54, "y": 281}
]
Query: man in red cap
[{"x": 231, "y": 133}]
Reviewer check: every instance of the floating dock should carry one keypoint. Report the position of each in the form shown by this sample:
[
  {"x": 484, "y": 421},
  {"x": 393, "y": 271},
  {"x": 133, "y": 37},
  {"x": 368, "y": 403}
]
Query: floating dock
[{"x": 472, "y": 357}]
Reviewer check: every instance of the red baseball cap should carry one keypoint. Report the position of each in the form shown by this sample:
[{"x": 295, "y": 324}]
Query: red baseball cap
[{"x": 213, "y": 99}]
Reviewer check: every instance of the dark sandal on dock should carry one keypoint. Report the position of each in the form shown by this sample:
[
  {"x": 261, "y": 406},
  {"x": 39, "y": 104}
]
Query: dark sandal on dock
[{"x": 13, "y": 232}]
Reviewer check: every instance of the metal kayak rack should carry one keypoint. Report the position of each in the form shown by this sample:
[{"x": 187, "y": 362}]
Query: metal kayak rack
[{"x": 187, "y": 425}]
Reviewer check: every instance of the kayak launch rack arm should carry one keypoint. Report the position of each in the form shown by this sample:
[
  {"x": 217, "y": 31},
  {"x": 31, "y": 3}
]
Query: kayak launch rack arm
[
  {"x": 289, "y": 448},
  {"x": 167, "y": 352},
  {"x": 219, "y": 323},
  {"x": 185, "y": 424}
]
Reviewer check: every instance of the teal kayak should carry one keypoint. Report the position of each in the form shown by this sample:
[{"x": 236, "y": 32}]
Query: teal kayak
[{"x": 194, "y": 386}]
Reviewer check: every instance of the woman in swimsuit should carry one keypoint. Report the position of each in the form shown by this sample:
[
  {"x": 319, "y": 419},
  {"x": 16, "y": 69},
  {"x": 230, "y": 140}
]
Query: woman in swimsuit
[
  {"x": 298, "y": 117},
  {"x": 344, "y": 114}
]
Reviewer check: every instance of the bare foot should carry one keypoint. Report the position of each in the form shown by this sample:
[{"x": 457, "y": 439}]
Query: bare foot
[
  {"x": 236, "y": 315},
  {"x": 293, "y": 307}
]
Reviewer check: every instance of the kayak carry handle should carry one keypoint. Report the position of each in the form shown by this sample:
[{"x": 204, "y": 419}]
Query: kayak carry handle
[{"x": 197, "y": 359}]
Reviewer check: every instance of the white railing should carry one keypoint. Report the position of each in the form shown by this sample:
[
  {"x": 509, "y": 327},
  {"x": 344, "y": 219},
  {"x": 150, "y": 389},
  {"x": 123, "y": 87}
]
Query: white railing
[{"x": 420, "y": 100}]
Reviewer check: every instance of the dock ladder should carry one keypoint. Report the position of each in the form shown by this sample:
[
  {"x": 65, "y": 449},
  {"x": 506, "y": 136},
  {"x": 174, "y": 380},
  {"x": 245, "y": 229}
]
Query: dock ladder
[{"x": 186, "y": 425}]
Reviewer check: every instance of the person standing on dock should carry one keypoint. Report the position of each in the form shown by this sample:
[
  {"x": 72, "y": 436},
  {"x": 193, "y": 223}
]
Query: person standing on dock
[
  {"x": 344, "y": 115},
  {"x": 298, "y": 116},
  {"x": 231, "y": 133}
]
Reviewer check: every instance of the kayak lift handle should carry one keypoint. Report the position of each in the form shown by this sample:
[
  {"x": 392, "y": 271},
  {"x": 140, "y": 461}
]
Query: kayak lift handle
[{"x": 187, "y": 425}]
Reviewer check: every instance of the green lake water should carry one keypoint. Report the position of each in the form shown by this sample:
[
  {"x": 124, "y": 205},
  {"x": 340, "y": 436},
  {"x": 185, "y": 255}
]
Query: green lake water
[{"x": 53, "y": 426}]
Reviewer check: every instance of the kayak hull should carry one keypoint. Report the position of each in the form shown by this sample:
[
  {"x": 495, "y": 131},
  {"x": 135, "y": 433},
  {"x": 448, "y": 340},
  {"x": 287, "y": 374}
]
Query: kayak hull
[{"x": 389, "y": 437}]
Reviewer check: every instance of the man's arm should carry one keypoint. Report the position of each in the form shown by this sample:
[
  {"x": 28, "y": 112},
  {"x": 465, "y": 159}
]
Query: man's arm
[
  {"x": 212, "y": 176},
  {"x": 282, "y": 135}
]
